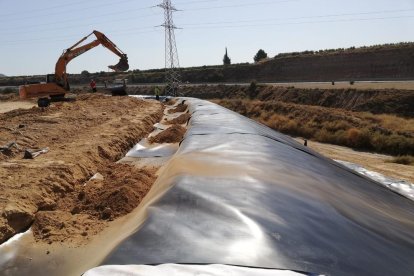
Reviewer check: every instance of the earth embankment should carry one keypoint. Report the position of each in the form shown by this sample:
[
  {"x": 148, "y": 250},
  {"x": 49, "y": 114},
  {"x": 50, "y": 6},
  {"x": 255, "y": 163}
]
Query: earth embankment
[
  {"x": 376, "y": 101},
  {"x": 82, "y": 138}
]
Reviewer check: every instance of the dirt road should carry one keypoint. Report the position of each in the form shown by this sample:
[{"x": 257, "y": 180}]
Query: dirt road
[
  {"x": 375, "y": 162},
  {"x": 84, "y": 138},
  {"x": 9, "y": 106}
]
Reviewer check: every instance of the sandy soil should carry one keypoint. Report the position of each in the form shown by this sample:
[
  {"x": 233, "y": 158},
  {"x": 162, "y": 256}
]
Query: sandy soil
[
  {"x": 173, "y": 134},
  {"x": 179, "y": 108},
  {"x": 84, "y": 137},
  {"x": 81, "y": 213},
  {"x": 404, "y": 85},
  {"x": 182, "y": 119},
  {"x": 9, "y": 106},
  {"x": 371, "y": 161},
  {"x": 9, "y": 102}
]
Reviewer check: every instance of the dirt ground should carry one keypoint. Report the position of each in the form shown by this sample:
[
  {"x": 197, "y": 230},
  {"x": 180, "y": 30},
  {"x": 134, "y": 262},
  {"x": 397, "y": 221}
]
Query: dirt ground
[
  {"x": 375, "y": 162},
  {"x": 180, "y": 108},
  {"x": 9, "y": 106},
  {"x": 173, "y": 134},
  {"x": 182, "y": 119},
  {"x": 83, "y": 138},
  {"x": 404, "y": 85},
  {"x": 9, "y": 102}
]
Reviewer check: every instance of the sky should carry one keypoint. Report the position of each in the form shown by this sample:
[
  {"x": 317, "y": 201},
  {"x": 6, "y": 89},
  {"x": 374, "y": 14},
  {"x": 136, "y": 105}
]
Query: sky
[{"x": 33, "y": 34}]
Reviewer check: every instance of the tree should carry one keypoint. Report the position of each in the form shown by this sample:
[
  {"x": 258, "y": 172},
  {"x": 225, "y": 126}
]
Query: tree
[
  {"x": 226, "y": 59},
  {"x": 85, "y": 74},
  {"x": 260, "y": 56}
]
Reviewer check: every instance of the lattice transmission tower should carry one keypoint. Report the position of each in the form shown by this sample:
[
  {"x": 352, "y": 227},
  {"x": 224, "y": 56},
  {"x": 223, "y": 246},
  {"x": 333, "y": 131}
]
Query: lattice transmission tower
[{"x": 172, "y": 64}]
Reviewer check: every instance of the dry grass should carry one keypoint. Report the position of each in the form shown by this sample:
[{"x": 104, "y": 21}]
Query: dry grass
[
  {"x": 404, "y": 160},
  {"x": 359, "y": 130}
]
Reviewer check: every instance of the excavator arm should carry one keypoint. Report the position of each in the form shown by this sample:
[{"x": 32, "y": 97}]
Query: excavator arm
[
  {"x": 75, "y": 51},
  {"x": 60, "y": 85}
]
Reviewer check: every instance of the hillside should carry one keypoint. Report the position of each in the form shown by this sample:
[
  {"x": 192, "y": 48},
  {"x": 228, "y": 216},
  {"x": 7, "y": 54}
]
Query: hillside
[
  {"x": 376, "y": 101},
  {"x": 380, "y": 62}
]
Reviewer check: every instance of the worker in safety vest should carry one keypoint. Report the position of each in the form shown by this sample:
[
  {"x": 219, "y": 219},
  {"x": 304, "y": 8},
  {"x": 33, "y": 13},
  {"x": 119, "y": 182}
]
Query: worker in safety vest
[
  {"x": 93, "y": 85},
  {"x": 157, "y": 93}
]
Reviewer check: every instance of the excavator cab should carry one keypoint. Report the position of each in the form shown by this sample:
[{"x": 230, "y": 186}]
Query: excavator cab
[{"x": 50, "y": 78}]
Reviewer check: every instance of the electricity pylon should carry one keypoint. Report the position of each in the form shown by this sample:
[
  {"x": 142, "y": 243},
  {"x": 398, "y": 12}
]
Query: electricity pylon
[{"x": 172, "y": 64}]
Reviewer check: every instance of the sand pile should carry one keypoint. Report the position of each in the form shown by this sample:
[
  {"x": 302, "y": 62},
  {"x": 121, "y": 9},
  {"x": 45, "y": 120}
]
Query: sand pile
[
  {"x": 182, "y": 119},
  {"x": 180, "y": 108},
  {"x": 82, "y": 213},
  {"x": 64, "y": 227},
  {"x": 170, "y": 101},
  {"x": 173, "y": 134},
  {"x": 83, "y": 137}
]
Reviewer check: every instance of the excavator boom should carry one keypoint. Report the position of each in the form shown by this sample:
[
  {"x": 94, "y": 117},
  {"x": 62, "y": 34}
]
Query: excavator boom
[
  {"x": 60, "y": 85},
  {"x": 122, "y": 65}
]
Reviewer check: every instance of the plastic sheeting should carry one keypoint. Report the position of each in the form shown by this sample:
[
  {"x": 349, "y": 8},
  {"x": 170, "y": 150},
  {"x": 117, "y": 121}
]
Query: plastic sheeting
[
  {"x": 185, "y": 270},
  {"x": 243, "y": 194},
  {"x": 402, "y": 187},
  {"x": 144, "y": 149}
]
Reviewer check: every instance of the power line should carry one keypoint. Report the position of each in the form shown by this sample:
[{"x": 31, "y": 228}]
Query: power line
[
  {"x": 133, "y": 10},
  {"x": 48, "y": 8},
  {"x": 307, "y": 22},
  {"x": 243, "y": 5},
  {"x": 19, "y": 13},
  {"x": 295, "y": 18},
  {"x": 199, "y": 26},
  {"x": 52, "y": 28},
  {"x": 121, "y": 32},
  {"x": 69, "y": 11}
]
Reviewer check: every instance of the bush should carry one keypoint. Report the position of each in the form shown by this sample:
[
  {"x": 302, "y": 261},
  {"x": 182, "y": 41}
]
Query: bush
[
  {"x": 253, "y": 89},
  {"x": 8, "y": 90},
  {"x": 404, "y": 160},
  {"x": 358, "y": 138},
  {"x": 356, "y": 130}
]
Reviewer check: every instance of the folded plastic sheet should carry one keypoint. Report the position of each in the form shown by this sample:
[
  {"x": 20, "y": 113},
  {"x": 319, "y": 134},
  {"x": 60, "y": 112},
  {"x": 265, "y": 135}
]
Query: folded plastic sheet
[
  {"x": 185, "y": 270},
  {"x": 243, "y": 194}
]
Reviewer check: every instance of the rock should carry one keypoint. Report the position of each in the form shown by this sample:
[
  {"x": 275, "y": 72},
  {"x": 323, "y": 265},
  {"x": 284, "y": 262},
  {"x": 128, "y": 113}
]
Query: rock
[
  {"x": 81, "y": 195},
  {"x": 47, "y": 204},
  {"x": 107, "y": 213},
  {"x": 75, "y": 210},
  {"x": 6, "y": 231},
  {"x": 18, "y": 218}
]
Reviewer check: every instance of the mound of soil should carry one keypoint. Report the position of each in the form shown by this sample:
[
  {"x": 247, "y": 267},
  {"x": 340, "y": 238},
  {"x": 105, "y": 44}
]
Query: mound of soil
[
  {"x": 182, "y": 119},
  {"x": 9, "y": 97},
  {"x": 119, "y": 192},
  {"x": 180, "y": 108},
  {"x": 173, "y": 134},
  {"x": 83, "y": 137},
  {"x": 170, "y": 101},
  {"x": 62, "y": 226}
]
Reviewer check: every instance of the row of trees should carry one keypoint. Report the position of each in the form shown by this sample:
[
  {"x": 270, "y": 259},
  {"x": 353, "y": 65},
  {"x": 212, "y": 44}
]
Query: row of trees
[{"x": 260, "y": 55}]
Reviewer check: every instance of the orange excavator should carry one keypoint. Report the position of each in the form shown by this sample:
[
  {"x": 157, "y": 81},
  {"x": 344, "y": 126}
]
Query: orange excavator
[{"x": 57, "y": 84}]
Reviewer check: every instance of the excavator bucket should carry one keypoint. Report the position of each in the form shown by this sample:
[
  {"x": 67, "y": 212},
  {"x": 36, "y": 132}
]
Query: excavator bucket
[{"x": 121, "y": 66}]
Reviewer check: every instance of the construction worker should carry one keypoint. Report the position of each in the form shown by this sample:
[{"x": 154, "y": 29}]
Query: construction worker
[
  {"x": 157, "y": 93},
  {"x": 93, "y": 85}
]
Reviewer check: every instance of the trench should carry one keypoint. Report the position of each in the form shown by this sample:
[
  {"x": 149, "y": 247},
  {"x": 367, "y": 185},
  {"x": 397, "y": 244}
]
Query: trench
[{"x": 22, "y": 255}]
